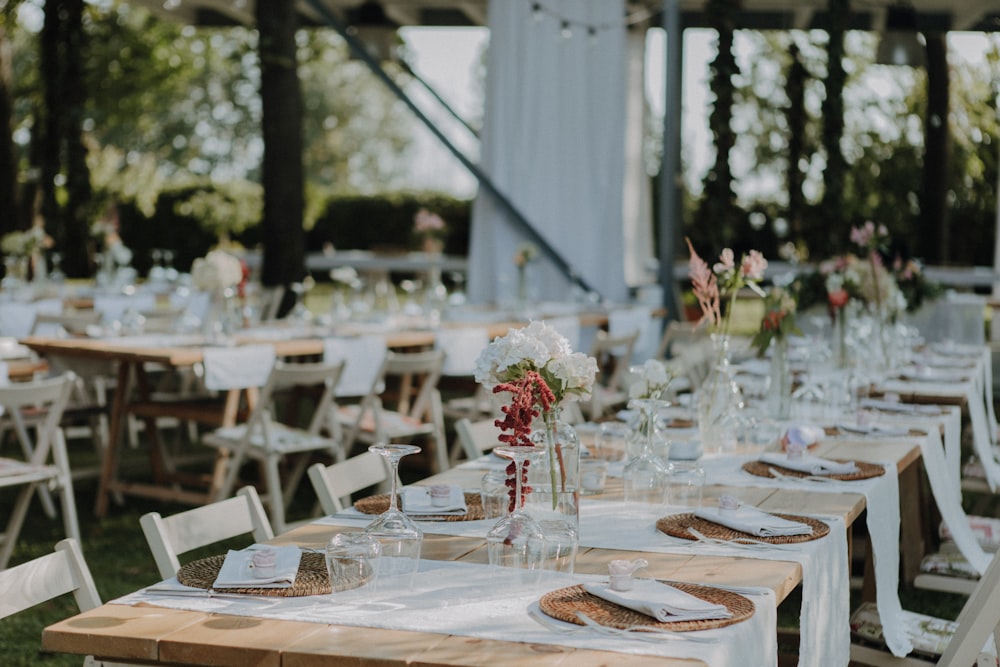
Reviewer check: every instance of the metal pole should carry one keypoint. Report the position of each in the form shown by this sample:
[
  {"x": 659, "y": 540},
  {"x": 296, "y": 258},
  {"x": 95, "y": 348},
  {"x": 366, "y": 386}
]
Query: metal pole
[
  {"x": 358, "y": 51},
  {"x": 669, "y": 217}
]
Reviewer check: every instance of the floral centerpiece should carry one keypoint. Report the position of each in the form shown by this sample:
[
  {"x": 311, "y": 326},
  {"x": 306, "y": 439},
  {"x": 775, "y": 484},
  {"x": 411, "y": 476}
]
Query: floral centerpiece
[
  {"x": 718, "y": 393},
  {"x": 536, "y": 365},
  {"x": 651, "y": 380},
  {"x": 23, "y": 248},
  {"x": 778, "y": 322},
  {"x": 525, "y": 253},
  {"x": 217, "y": 271},
  {"x": 430, "y": 229}
]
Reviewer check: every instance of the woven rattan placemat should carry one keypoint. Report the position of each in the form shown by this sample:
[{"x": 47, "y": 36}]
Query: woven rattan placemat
[
  {"x": 865, "y": 471},
  {"x": 563, "y": 604},
  {"x": 677, "y": 525},
  {"x": 312, "y": 577},
  {"x": 380, "y": 503}
]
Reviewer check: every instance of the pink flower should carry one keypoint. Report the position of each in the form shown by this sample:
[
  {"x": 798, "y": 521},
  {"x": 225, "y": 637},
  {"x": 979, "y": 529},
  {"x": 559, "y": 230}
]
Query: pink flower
[
  {"x": 727, "y": 260},
  {"x": 705, "y": 286},
  {"x": 753, "y": 265}
]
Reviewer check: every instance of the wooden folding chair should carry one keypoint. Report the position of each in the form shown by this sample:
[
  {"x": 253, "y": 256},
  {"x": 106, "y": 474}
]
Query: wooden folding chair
[
  {"x": 969, "y": 633},
  {"x": 37, "y": 406},
  {"x": 414, "y": 409},
  {"x": 477, "y": 437},
  {"x": 335, "y": 483},
  {"x": 175, "y": 535},
  {"x": 48, "y": 577},
  {"x": 271, "y": 435}
]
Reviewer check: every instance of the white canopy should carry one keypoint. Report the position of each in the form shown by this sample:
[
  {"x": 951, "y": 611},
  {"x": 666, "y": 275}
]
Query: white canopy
[{"x": 554, "y": 144}]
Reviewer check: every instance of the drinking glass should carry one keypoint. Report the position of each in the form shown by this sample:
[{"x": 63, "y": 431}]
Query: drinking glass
[
  {"x": 612, "y": 441},
  {"x": 516, "y": 540},
  {"x": 686, "y": 483},
  {"x": 351, "y": 560},
  {"x": 494, "y": 495},
  {"x": 399, "y": 536}
]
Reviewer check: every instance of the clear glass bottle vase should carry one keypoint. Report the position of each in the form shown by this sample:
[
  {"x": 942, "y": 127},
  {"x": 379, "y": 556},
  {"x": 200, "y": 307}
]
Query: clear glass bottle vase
[
  {"x": 554, "y": 498},
  {"x": 645, "y": 473},
  {"x": 779, "y": 398},
  {"x": 719, "y": 400}
]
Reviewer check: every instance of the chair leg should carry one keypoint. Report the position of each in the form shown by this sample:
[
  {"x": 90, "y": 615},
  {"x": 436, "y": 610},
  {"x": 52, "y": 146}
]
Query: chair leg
[
  {"x": 15, "y": 523},
  {"x": 274, "y": 494}
]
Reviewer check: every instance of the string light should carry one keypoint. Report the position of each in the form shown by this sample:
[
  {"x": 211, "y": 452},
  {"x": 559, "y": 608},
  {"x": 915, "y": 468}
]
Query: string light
[{"x": 568, "y": 24}]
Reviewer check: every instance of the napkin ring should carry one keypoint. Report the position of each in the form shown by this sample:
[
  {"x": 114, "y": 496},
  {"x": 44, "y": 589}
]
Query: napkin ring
[
  {"x": 729, "y": 503},
  {"x": 620, "y": 573}
]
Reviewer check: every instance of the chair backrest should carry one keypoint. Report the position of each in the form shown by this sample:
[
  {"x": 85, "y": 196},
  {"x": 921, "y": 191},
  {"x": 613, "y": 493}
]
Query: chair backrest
[
  {"x": 364, "y": 357},
  {"x": 47, "y": 577},
  {"x": 17, "y": 317},
  {"x": 335, "y": 483},
  {"x": 638, "y": 319},
  {"x": 285, "y": 376},
  {"x": 112, "y": 307},
  {"x": 57, "y": 324},
  {"x": 52, "y": 396},
  {"x": 426, "y": 367},
  {"x": 462, "y": 347},
  {"x": 477, "y": 437},
  {"x": 613, "y": 354},
  {"x": 169, "y": 537},
  {"x": 242, "y": 367},
  {"x": 979, "y": 618},
  {"x": 269, "y": 302}
]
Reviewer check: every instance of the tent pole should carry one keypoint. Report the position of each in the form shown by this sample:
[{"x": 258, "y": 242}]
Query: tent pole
[{"x": 669, "y": 218}]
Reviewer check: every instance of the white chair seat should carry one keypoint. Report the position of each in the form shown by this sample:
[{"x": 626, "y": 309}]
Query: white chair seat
[
  {"x": 14, "y": 472},
  {"x": 284, "y": 439},
  {"x": 930, "y": 635}
]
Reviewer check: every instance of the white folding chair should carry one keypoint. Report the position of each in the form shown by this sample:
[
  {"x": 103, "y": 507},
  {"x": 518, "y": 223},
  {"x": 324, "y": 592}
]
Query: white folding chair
[
  {"x": 64, "y": 322},
  {"x": 335, "y": 483},
  {"x": 969, "y": 633},
  {"x": 172, "y": 536},
  {"x": 37, "y": 406},
  {"x": 477, "y": 437},
  {"x": 270, "y": 437},
  {"x": 415, "y": 410},
  {"x": 48, "y": 577}
]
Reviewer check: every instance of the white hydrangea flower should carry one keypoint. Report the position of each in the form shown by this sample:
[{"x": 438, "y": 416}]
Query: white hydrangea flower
[
  {"x": 653, "y": 380},
  {"x": 576, "y": 372},
  {"x": 216, "y": 270}
]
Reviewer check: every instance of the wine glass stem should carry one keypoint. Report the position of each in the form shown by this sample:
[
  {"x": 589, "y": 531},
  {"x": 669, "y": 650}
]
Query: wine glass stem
[
  {"x": 394, "y": 467},
  {"x": 518, "y": 466}
]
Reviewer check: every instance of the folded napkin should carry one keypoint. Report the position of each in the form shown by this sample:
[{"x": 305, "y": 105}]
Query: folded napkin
[
  {"x": 902, "y": 408},
  {"x": 417, "y": 501},
  {"x": 664, "y": 603},
  {"x": 812, "y": 465},
  {"x": 749, "y": 519},
  {"x": 237, "y": 570},
  {"x": 873, "y": 429},
  {"x": 928, "y": 374}
]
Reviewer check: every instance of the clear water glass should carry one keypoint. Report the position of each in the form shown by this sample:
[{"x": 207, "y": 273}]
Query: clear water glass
[
  {"x": 352, "y": 561},
  {"x": 400, "y": 538},
  {"x": 686, "y": 483}
]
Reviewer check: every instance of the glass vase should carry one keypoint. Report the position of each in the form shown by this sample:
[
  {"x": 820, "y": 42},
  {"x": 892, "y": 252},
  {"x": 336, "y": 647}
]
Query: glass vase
[
  {"x": 719, "y": 401},
  {"x": 646, "y": 472},
  {"x": 516, "y": 540},
  {"x": 779, "y": 398},
  {"x": 554, "y": 495}
]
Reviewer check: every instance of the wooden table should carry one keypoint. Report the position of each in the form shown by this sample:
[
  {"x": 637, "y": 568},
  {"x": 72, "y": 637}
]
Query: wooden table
[{"x": 166, "y": 636}]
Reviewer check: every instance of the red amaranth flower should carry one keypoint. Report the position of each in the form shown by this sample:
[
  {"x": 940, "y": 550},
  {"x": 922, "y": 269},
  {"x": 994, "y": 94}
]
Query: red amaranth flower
[{"x": 527, "y": 392}]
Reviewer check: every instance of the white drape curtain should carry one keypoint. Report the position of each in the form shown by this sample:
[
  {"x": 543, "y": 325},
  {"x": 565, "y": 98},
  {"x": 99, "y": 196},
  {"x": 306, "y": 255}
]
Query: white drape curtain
[{"x": 553, "y": 142}]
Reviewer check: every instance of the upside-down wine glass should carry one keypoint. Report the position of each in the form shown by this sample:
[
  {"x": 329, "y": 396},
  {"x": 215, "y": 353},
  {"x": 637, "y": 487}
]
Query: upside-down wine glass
[
  {"x": 399, "y": 536},
  {"x": 516, "y": 540}
]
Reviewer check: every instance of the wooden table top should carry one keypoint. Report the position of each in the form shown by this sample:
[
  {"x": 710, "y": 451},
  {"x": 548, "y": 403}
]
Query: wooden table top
[{"x": 166, "y": 636}]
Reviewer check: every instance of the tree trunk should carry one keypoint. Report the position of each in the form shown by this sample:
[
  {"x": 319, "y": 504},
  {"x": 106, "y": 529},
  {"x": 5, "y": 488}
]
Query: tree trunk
[
  {"x": 795, "y": 86},
  {"x": 717, "y": 214},
  {"x": 935, "y": 239},
  {"x": 62, "y": 151},
  {"x": 8, "y": 159},
  {"x": 282, "y": 172},
  {"x": 832, "y": 208}
]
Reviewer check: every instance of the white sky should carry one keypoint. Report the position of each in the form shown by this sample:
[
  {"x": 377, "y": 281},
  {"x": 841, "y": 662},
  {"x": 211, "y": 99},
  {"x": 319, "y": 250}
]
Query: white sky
[{"x": 447, "y": 59}]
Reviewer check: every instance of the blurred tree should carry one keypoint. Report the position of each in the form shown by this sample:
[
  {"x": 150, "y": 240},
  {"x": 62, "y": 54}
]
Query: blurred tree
[
  {"x": 838, "y": 14},
  {"x": 9, "y": 200}
]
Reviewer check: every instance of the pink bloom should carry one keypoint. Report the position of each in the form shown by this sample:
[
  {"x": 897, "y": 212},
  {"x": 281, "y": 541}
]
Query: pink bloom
[
  {"x": 705, "y": 286},
  {"x": 727, "y": 260},
  {"x": 753, "y": 265}
]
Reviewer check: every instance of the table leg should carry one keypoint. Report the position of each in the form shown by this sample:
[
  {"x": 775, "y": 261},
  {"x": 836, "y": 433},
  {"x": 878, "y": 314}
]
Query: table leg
[{"x": 109, "y": 466}]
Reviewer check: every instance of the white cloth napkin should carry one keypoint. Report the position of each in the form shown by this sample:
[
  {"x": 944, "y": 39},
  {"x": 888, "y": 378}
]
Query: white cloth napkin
[
  {"x": 813, "y": 465},
  {"x": 236, "y": 570},
  {"x": 417, "y": 501},
  {"x": 873, "y": 429},
  {"x": 751, "y": 520},
  {"x": 662, "y": 602},
  {"x": 928, "y": 374},
  {"x": 903, "y": 408}
]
